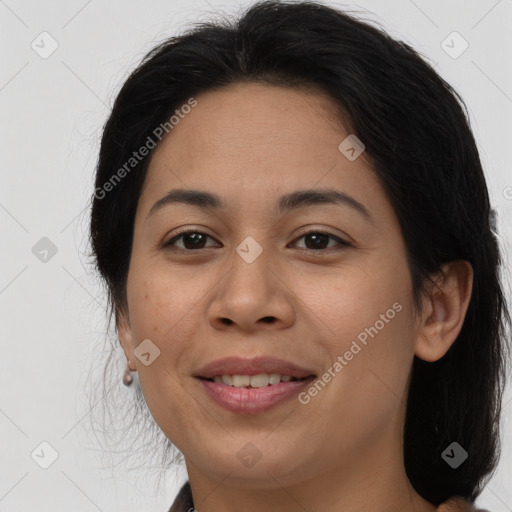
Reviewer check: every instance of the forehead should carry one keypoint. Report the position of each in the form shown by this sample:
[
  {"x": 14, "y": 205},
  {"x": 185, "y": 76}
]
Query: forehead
[
  {"x": 255, "y": 138},
  {"x": 248, "y": 118}
]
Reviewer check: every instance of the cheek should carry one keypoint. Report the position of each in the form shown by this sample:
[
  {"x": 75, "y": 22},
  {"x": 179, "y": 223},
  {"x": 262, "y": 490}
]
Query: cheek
[
  {"x": 162, "y": 305},
  {"x": 162, "y": 313},
  {"x": 353, "y": 297},
  {"x": 363, "y": 314}
]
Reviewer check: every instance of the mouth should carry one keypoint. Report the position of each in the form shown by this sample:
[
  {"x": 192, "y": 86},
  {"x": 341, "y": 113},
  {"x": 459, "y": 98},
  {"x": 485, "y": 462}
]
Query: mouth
[
  {"x": 253, "y": 386},
  {"x": 240, "y": 368},
  {"x": 261, "y": 380}
]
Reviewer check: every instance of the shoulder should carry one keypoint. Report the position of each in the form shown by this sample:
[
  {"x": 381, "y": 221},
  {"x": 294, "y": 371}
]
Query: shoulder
[
  {"x": 183, "y": 501},
  {"x": 458, "y": 504}
]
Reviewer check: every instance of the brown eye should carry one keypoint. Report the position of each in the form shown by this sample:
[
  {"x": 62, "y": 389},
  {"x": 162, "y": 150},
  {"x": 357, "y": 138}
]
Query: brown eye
[
  {"x": 318, "y": 240},
  {"x": 315, "y": 241},
  {"x": 191, "y": 240}
]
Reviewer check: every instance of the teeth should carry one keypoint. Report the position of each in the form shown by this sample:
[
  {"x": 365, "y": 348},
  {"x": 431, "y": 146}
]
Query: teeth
[
  {"x": 240, "y": 381},
  {"x": 227, "y": 379},
  {"x": 256, "y": 381},
  {"x": 259, "y": 381},
  {"x": 274, "y": 378}
]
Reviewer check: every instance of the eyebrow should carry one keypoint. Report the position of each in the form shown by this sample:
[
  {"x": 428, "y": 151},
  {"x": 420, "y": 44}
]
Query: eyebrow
[{"x": 285, "y": 204}]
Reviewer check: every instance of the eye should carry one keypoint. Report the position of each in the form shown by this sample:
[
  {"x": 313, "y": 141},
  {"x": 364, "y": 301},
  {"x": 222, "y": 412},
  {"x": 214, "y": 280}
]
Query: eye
[
  {"x": 319, "y": 239},
  {"x": 191, "y": 240}
]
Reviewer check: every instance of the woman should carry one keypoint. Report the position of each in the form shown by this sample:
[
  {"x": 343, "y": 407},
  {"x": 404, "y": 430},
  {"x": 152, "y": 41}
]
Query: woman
[{"x": 293, "y": 223}]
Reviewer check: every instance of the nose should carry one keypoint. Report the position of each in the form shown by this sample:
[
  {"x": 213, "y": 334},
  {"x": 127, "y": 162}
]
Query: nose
[{"x": 253, "y": 296}]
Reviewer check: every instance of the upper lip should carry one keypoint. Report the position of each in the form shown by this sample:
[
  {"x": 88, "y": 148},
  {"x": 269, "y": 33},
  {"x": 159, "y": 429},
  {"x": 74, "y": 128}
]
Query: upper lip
[{"x": 252, "y": 366}]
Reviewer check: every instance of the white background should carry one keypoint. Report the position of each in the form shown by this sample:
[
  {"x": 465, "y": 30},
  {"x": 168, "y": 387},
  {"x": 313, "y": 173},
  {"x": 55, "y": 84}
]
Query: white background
[{"x": 52, "y": 113}]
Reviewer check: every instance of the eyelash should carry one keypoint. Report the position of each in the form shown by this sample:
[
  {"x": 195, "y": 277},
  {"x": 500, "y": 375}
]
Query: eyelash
[{"x": 341, "y": 243}]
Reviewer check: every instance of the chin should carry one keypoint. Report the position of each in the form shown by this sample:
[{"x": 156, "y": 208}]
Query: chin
[{"x": 251, "y": 468}]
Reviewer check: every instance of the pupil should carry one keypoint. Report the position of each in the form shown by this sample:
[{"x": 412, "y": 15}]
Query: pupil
[
  {"x": 319, "y": 238},
  {"x": 196, "y": 240}
]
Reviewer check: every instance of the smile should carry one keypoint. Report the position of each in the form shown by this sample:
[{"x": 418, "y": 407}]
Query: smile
[{"x": 241, "y": 397}]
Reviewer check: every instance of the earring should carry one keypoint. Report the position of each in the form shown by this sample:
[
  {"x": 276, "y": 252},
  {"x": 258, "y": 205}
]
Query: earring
[{"x": 127, "y": 377}]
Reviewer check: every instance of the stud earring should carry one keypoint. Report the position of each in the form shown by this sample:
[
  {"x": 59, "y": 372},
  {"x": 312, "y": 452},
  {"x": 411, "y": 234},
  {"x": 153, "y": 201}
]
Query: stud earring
[{"x": 127, "y": 377}]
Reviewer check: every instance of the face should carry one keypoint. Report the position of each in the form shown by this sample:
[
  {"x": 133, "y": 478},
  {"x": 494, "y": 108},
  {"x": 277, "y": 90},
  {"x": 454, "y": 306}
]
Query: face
[{"x": 319, "y": 284}]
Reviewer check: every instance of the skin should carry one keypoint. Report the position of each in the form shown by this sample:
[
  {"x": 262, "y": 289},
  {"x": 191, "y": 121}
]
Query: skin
[{"x": 251, "y": 143}]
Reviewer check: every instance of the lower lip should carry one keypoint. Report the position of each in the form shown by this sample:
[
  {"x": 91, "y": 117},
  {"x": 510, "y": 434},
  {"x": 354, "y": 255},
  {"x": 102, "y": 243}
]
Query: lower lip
[{"x": 253, "y": 400}]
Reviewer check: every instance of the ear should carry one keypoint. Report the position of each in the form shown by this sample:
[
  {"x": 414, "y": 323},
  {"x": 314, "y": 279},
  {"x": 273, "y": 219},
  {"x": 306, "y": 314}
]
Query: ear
[
  {"x": 444, "y": 310},
  {"x": 124, "y": 333}
]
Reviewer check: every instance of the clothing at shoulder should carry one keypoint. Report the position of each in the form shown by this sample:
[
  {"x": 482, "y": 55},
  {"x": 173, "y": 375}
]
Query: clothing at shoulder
[
  {"x": 184, "y": 503},
  {"x": 458, "y": 504}
]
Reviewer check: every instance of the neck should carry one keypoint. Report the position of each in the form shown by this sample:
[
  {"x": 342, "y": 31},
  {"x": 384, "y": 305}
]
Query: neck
[{"x": 371, "y": 477}]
